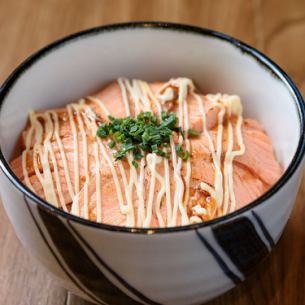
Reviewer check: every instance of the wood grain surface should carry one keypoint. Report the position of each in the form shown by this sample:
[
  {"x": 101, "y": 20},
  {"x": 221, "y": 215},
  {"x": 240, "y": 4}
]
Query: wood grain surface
[{"x": 274, "y": 27}]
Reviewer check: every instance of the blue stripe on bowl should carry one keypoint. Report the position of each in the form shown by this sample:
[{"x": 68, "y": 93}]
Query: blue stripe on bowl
[
  {"x": 80, "y": 264},
  {"x": 120, "y": 279},
  {"x": 220, "y": 261},
  {"x": 57, "y": 258},
  {"x": 264, "y": 229},
  {"x": 241, "y": 242}
]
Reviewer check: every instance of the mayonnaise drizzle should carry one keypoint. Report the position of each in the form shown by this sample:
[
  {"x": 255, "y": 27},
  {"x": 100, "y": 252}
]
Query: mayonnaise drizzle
[
  {"x": 125, "y": 209},
  {"x": 89, "y": 119},
  {"x": 97, "y": 185},
  {"x": 24, "y": 156},
  {"x": 48, "y": 146},
  {"x": 82, "y": 118},
  {"x": 217, "y": 193},
  {"x": 62, "y": 154},
  {"x": 141, "y": 95},
  {"x": 165, "y": 183},
  {"x": 181, "y": 190},
  {"x": 75, "y": 149},
  {"x": 76, "y": 108},
  {"x": 234, "y": 108},
  {"x": 134, "y": 180},
  {"x": 41, "y": 148}
]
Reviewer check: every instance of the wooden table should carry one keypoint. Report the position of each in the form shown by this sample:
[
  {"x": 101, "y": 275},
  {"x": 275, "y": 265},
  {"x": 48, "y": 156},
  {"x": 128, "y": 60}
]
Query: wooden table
[{"x": 274, "y": 27}]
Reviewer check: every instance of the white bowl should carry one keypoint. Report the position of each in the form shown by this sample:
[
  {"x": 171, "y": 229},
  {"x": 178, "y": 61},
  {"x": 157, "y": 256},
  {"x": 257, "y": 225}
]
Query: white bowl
[{"x": 183, "y": 265}]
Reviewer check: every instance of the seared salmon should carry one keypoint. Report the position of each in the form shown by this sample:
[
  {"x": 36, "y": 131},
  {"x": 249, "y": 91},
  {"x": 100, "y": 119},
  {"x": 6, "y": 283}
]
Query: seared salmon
[{"x": 86, "y": 180}]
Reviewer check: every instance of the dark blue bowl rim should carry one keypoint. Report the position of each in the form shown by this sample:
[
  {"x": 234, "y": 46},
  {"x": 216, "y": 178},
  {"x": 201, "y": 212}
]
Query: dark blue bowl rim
[{"x": 261, "y": 58}]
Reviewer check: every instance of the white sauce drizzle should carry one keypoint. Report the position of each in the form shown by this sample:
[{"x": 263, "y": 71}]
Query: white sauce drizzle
[
  {"x": 165, "y": 183},
  {"x": 76, "y": 108},
  {"x": 97, "y": 185},
  {"x": 24, "y": 155},
  {"x": 140, "y": 93},
  {"x": 75, "y": 149},
  {"x": 42, "y": 150},
  {"x": 62, "y": 154},
  {"x": 125, "y": 209},
  {"x": 234, "y": 108},
  {"x": 134, "y": 180},
  {"x": 151, "y": 162},
  {"x": 183, "y": 86},
  {"x": 140, "y": 105},
  {"x": 48, "y": 146},
  {"x": 216, "y": 193}
]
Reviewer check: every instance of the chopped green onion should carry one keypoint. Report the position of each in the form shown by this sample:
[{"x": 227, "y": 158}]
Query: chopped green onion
[
  {"x": 102, "y": 131},
  {"x": 193, "y": 133},
  {"x": 135, "y": 163},
  {"x": 111, "y": 143},
  {"x": 182, "y": 153},
  {"x": 144, "y": 133}
]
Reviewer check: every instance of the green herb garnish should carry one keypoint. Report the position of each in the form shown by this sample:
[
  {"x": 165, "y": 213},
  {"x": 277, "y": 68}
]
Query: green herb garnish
[
  {"x": 102, "y": 131},
  {"x": 135, "y": 163},
  {"x": 182, "y": 153},
  {"x": 144, "y": 133},
  {"x": 111, "y": 144},
  {"x": 193, "y": 133}
]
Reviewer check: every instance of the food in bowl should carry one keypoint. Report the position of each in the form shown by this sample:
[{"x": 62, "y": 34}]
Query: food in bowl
[
  {"x": 141, "y": 154},
  {"x": 181, "y": 265}
]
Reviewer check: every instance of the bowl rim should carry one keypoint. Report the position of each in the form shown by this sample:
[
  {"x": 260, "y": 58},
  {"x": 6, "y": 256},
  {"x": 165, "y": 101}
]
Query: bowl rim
[{"x": 169, "y": 26}]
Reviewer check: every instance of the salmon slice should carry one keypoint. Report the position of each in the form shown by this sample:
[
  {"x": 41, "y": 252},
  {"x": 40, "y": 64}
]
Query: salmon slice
[
  {"x": 246, "y": 186},
  {"x": 259, "y": 156},
  {"x": 253, "y": 172}
]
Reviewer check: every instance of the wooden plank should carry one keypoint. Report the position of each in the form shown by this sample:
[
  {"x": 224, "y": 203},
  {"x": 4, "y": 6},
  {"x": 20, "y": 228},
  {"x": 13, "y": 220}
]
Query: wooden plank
[
  {"x": 23, "y": 280},
  {"x": 284, "y": 36},
  {"x": 275, "y": 27},
  {"x": 28, "y": 25}
]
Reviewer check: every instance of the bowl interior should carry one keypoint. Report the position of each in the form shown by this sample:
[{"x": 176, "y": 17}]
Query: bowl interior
[{"x": 77, "y": 67}]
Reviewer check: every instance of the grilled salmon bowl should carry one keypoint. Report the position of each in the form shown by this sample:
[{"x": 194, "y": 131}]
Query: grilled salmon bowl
[{"x": 133, "y": 180}]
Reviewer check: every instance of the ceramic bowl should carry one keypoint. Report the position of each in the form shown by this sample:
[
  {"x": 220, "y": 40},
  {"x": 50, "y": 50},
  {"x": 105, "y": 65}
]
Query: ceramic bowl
[{"x": 182, "y": 265}]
